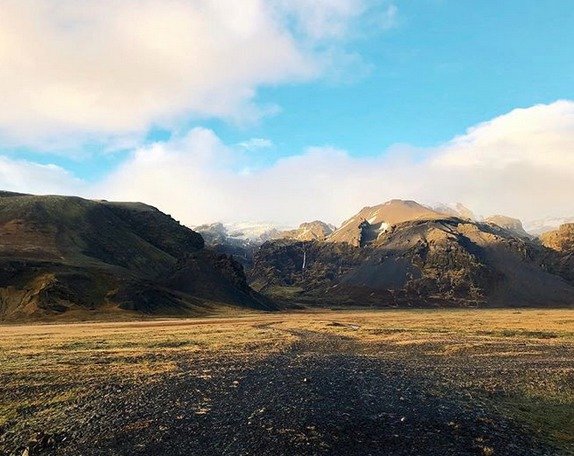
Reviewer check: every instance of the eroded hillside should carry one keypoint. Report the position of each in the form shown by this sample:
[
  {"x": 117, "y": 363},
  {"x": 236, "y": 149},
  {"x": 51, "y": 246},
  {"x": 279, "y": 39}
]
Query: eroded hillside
[
  {"x": 405, "y": 254},
  {"x": 68, "y": 255}
]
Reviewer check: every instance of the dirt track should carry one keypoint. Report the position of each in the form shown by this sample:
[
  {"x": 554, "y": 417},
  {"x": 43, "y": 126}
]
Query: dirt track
[{"x": 320, "y": 396}]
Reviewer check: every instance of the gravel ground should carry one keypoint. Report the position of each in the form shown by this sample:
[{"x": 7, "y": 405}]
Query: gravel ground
[{"x": 322, "y": 395}]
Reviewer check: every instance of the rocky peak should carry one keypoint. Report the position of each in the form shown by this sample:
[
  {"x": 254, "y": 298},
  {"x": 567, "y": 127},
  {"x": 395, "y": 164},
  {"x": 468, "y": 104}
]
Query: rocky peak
[
  {"x": 508, "y": 223},
  {"x": 561, "y": 239},
  {"x": 455, "y": 210},
  {"x": 308, "y": 231},
  {"x": 367, "y": 225}
]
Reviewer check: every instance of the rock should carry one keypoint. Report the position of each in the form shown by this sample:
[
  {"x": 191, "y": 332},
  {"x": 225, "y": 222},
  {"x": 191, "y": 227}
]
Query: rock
[
  {"x": 561, "y": 240},
  {"x": 508, "y": 223},
  {"x": 422, "y": 262},
  {"x": 63, "y": 254},
  {"x": 310, "y": 231}
]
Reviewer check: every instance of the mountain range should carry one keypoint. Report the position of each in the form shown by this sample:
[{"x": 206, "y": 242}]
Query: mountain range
[
  {"x": 64, "y": 255},
  {"x": 68, "y": 257},
  {"x": 401, "y": 253}
]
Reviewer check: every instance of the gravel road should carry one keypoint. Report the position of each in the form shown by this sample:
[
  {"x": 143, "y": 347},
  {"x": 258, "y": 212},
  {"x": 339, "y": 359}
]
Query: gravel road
[{"x": 321, "y": 396}]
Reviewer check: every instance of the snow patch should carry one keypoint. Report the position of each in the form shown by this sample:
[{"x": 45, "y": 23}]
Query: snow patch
[{"x": 384, "y": 227}]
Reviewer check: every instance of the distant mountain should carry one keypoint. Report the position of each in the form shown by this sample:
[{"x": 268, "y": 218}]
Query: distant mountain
[
  {"x": 213, "y": 233},
  {"x": 239, "y": 240},
  {"x": 309, "y": 231},
  {"x": 372, "y": 222},
  {"x": 561, "y": 243},
  {"x": 238, "y": 233},
  {"x": 256, "y": 232},
  {"x": 68, "y": 255},
  {"x": 403, "y": 254},
  {"x": 539, "y": 226},
  {"x": 511, "y": 224},
  {"x": 455, "y": 210},
  {"x": 75, "y": 258}
]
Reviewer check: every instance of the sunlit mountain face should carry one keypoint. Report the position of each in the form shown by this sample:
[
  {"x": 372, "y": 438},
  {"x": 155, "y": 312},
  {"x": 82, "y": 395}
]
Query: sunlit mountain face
[{"x": 286, "y": 227}]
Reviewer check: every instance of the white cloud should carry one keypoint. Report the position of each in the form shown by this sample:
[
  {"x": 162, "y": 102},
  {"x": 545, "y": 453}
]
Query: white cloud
[
  {"x": 28, "y": 177},
  {"x": 388, "y": 18},
  {"x": 520, "y": 164},
  {"x": 256, "y": 144},
  {"x": 86, "y": 70},
  {"x": 323, "y": 19},
  {"x": 337, "y": 19},
  {"x": 541, "y": 135},
  {"x": 186, "y": 177}
]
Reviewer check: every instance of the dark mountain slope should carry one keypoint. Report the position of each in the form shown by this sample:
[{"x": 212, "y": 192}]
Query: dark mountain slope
[
  {"x": 560, "y": 257},
  {"x": 60, "y": 254},
  {"x": 436, "y": 261},
  {"x": 84, "y": 232}
]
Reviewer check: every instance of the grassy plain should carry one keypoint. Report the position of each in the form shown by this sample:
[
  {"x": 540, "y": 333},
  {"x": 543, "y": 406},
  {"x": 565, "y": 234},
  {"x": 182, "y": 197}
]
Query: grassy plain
[{"x": 518, "y": 363}]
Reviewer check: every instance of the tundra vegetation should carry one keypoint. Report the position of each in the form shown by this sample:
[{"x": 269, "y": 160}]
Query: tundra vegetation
[{"x": 464, "y": 381}]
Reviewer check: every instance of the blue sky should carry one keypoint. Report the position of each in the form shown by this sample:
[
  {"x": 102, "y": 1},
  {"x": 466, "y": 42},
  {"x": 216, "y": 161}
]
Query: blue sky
[
  {"x": 445, "y": 66},
  {"x": 361, "y": 78}
]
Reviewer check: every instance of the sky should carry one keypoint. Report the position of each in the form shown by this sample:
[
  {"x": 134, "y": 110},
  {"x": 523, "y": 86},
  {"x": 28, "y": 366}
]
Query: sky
[{"x": 290, "y": 110}]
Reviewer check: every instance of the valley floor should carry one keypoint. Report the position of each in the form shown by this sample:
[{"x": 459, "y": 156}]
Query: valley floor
[{"x": 393, "y": 382}]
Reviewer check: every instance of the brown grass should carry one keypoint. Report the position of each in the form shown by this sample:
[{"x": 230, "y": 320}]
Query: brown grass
[{"x": 536, "y": 345}]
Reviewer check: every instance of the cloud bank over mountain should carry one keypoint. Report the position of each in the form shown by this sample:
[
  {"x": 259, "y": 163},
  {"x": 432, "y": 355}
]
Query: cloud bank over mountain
[
  {"x": 520, "y": 164},
  {"x": 89, "y": 78}
]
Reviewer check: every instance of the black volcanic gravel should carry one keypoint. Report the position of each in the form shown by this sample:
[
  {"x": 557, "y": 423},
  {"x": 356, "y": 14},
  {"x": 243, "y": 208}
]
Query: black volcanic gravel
[{"x": 318, "y": 397}]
